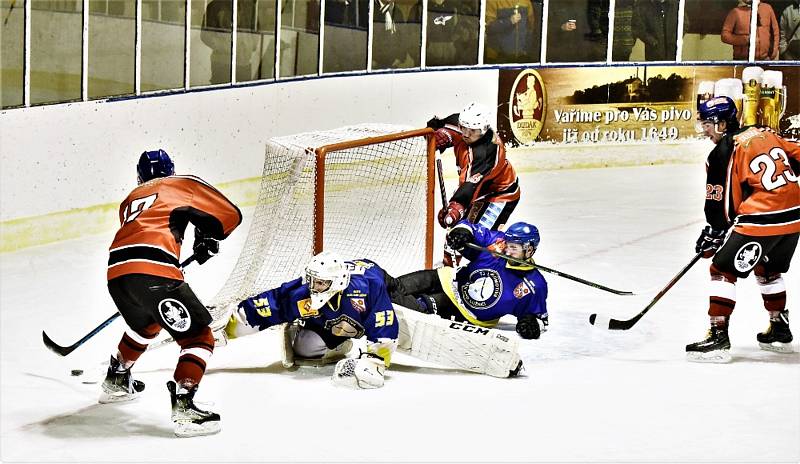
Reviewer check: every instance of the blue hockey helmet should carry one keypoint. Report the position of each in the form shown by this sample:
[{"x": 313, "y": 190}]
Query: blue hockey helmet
[
  {"x": 152, "y": 164},
  {"x": 524, "y": 234},
  {"x": 718, "y": 109}
]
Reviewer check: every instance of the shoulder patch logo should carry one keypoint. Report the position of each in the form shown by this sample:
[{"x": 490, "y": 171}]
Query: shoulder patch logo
[
  {"x": 747, "y": 257},
  {"x": 304, "y": 308},
  {"x": 358, "y": 304},
  {"x": 521, "y": 290},
  {"x": 175, "y": 315}
]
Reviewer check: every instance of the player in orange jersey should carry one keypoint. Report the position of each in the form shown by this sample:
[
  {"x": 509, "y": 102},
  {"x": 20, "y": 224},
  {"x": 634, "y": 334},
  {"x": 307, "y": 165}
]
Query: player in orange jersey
[
  {"x": 146, "y": 282},
  {"x": 753, "y": 213},
  {"x": 488, "y": 187}
]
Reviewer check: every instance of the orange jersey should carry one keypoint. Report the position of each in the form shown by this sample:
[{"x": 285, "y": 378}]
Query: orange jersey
[
  {"x": 154, "y": 217},
  {"x": 484, "y": 172},
  {"x": 761, "y": 191}
]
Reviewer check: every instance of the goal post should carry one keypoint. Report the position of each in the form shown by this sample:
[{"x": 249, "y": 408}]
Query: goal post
[{"x": 363, "y": 191}]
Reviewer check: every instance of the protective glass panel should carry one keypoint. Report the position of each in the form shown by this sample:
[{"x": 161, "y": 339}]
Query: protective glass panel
[
  {"x": 397, "y": 33},
  {"x": 720, "y": 30},
  {"x": 513, "y": 31},
  {"x": 212, "y": 37},
  {"x": 56, "y": 30},
  {"x": 265, "y": 26},
  {"x": 346, "y": 25},
  {"x": 788, "y": 12},
  {"x": 645, "y": 30},
  {"x": 11, "y": 53},
  {"x": 163, "y": 44},
  {"x": 250, "y": 41},
  {"x": 299, "y": 37},
  {"x": 452, "y": 32},
  {"x": 577, "y": 31},
  {"x": 112, "y": 35}
]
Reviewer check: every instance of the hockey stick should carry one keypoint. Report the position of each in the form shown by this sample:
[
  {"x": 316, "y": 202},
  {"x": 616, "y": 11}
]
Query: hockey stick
[
  {"x": 447, "y": 248},
  {"x": 65, "y": 350},
  {"x": 616, "y": 324},
  {"x": 552, "y": 271}
]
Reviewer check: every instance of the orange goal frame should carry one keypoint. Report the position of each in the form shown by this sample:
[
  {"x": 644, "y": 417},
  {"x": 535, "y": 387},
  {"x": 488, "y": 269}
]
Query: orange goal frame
[{"x": 319, "y": 204}]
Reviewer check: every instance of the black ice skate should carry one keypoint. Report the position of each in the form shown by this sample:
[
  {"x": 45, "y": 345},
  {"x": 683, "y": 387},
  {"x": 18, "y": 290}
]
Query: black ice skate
[
  {"x": 189, "y": 420},
  {"x": 778, "y": 336},
  {"x": 118, "y": 385},
  {"x": 714, "y": 349}
]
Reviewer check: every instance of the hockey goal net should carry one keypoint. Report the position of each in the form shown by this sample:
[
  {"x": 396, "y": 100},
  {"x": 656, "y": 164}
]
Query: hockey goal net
[{"x": 362, "y": 191}]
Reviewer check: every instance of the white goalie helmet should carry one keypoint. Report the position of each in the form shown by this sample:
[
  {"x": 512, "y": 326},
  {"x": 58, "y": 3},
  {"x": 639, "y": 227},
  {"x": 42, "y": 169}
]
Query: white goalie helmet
[
  {"x": 475, "y": 116},
  {"x": 326, "y": 275}
]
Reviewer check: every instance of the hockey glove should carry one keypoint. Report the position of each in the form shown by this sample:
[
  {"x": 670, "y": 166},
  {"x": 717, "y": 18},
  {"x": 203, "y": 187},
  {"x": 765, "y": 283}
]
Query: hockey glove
[
  {"x": 365, "y": 372},
  {"x": 204, "y": 246},
  {"x": 451, "y": 214},
  {"x": 709, "y": 241},
  {"x": 435, "y": 123},
  {"x": 531, "y": 327},
  {"x": 443, "y": 139},
  {"x": 458, "y": 238}
]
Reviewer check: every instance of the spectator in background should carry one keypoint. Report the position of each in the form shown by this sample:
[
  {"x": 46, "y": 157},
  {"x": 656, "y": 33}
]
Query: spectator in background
[
  {"x": 443, "y": 26},
  {"x": 565, "y": 39},
  {"x": 597, "y": 16},
  {"x": 790, "y": 32},
  {"x": 511, "y": 32},
  {"x": 736, "y": 31},
  {"x": 624, "y": 38},
  {"x": 390, "y": 43},
  {"x": 656, "y": 24}
]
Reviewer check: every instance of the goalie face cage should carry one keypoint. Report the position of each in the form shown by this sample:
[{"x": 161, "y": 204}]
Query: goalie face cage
[{"x": 361, "y": 191}]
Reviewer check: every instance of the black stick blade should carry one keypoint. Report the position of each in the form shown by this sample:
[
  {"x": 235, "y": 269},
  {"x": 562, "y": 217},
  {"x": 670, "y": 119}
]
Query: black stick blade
[{"x": 56, "y": 348}]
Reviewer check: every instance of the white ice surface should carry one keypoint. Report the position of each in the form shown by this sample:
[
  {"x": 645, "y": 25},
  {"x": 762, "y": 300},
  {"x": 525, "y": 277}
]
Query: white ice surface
[{"x": 587, "y": 394}]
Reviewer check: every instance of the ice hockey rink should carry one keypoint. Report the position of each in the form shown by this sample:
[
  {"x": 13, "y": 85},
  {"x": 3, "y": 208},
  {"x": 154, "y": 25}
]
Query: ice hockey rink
[{"x": 586, "y": 393}]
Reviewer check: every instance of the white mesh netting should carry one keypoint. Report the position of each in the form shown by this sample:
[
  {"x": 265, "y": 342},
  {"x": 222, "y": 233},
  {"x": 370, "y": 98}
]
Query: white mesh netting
[{"x": 375, "y": 203}]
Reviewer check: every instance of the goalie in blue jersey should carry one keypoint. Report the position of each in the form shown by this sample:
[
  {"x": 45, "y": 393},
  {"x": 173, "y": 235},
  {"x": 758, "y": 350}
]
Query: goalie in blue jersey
[
  {"x": 489, "y": 287},
  {"x": 336, "y": 301}
]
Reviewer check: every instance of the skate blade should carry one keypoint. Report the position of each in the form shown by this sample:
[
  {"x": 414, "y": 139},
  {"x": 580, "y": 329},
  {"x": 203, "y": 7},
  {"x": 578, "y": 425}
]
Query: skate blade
[
  {"x": 777, "y": 347},
  {"x": 109, "y": 398},
  {"x": 191, "y": 429},
  {"x": 717, "y": 356}
]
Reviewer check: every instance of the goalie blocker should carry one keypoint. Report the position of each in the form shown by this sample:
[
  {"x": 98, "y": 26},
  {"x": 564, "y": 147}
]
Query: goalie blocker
[{"x": 457, "y": 344}]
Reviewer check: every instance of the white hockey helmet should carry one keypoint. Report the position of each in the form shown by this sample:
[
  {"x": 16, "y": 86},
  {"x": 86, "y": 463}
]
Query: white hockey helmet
[
  {"x": 475, "y": 116},
  {"x": 326, "y": 275}
]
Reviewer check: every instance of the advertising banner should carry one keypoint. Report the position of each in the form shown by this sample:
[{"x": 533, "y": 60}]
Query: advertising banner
[{"x": 635, "y": 103}]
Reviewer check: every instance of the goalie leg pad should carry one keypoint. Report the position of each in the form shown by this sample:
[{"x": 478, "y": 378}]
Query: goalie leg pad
[{"x": 458, "y": 344}]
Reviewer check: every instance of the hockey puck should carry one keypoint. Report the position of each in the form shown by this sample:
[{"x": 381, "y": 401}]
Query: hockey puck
[{"x": 76, "y": 372}]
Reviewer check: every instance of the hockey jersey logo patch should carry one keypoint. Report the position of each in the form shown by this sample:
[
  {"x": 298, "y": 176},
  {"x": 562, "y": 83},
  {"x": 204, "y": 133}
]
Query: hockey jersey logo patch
[
  {"x": 175, "y": 315},
  {"x": 483, "y": 289},
  {"x": 475, "y": 178},
  {"x": 358, "y": 304},
  {"x": 521, "y": 290},
  {"x": 304, "y": 308},
  {"x": 747, "y": 256}
]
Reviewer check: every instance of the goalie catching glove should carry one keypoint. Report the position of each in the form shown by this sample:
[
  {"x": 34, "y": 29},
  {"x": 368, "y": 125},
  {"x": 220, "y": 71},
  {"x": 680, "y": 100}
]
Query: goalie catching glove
[
  {"x": 205, "y": 247},
  {"x": 531, "y": 327},
  {"x": 363, "y": 372}
]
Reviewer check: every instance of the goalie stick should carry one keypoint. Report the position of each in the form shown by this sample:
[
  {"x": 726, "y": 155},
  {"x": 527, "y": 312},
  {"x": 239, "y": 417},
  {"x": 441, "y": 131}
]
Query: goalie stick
[
  {"x": 65, "y": 350},
  {"x": 552, "y": 271},
  {"x": 616, "y": 324}
]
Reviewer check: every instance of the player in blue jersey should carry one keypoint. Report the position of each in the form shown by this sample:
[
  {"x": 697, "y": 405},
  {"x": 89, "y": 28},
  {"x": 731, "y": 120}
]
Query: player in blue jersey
[
  {"x": 489, "y": 287},
  {"x": 335, "y": 301}
]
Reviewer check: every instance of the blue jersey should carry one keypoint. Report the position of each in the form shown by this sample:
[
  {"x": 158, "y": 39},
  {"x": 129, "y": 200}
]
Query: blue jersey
[
  {"x": 490, "y": 287},
  {"x": 363, "y": 308}
]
